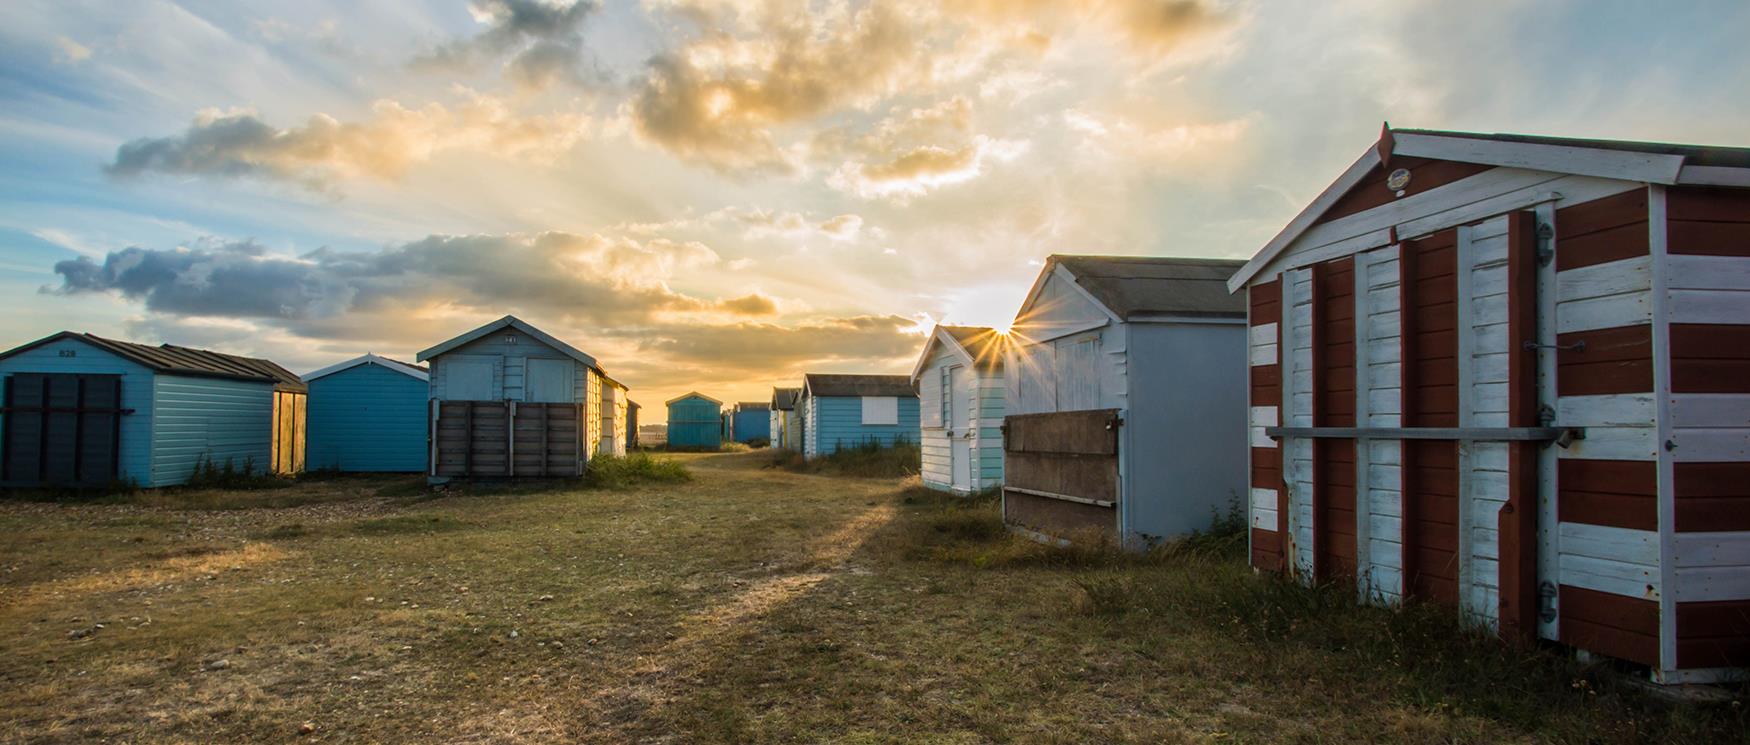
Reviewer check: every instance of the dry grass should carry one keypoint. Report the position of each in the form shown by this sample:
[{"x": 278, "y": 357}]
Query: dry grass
[{"x": 750, "y": 604}]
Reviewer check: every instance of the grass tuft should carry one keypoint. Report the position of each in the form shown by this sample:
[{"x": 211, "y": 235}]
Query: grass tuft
[
  {"x": 868, "y": 460},
  {"x": 634, "y": 469}
]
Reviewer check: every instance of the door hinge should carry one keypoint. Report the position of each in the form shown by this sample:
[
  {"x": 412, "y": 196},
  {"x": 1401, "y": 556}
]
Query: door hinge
[
  {"x": 1546, "y": 601},
  {"x": 1545, "y": 252}
]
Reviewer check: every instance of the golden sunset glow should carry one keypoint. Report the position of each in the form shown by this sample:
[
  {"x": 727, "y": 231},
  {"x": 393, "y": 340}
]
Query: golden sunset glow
[{"x": 723, "y": 194}]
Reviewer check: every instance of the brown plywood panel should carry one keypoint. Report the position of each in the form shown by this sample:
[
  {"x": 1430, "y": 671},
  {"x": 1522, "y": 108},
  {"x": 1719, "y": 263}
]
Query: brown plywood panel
[
  {"x": 1091, "y": 432},
  {"x": 1061, "y": 518},
  {"x": 1615, "y": 625},
  {"x": 1073, "y": 475}
]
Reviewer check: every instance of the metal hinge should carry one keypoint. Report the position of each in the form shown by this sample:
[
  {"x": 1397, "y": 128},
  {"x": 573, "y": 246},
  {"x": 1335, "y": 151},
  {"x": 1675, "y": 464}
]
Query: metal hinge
[{"x": 1545, "y": 252}]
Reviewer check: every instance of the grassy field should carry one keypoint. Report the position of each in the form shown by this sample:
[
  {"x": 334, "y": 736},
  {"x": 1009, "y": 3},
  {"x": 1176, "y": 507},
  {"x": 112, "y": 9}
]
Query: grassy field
[{"x": 747, "y": 604}]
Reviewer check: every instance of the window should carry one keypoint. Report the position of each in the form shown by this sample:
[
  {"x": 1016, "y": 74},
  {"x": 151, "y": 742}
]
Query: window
[{"x": 880, "y": 410}]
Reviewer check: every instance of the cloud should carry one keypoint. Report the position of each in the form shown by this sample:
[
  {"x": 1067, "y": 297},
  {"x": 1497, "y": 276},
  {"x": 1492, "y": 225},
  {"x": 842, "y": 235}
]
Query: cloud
[
  {"x": 238, "y": 144},
  {"x": 718, "y": 99},
  {"x": 773, "y": 347},
  {"x": 68, "y": 51},
  {"x": 1148, "y": 26},
  {"x": 1105, "y": 137},
  {"x": 923, "y": 169},
  {"x": 752, "y": 304},
  {"x": 587, "y": 278},
  {"x": 543, "y": 40}
]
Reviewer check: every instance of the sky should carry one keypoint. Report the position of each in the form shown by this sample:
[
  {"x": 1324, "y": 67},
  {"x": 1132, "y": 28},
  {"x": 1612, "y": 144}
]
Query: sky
[{"x": 720, "y": 195}]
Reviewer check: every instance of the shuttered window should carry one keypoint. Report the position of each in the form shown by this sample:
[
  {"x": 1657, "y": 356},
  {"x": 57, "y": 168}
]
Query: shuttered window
[{"x": 880, "y": 410}]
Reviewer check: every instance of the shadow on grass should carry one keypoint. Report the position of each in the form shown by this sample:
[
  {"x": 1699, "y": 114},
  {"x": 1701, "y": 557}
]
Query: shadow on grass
[{"x": 868, "y": 460}]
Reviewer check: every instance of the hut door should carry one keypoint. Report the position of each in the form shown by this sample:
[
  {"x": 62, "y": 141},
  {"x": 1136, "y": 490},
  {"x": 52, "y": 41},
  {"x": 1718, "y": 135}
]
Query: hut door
[
  {"x": 551, "y": 381},
  {"x": 61, "y": 430},
  {"x": 959, "y": 426}
]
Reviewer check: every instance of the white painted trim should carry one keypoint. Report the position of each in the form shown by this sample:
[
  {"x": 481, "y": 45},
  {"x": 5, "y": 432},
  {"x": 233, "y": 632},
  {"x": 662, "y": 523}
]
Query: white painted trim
[
  {"x": 1482, "y": 196},
  {"x": 1705, "y": 584},
  {"x": 509, "y": 322},
  {"x": 1059, "y": 333},
  {"x": 1718, "y": 548},
  {"x": 1548, "y": 517},
  {"x": 1713, "y": 176},
  {"x": 370, "y": 359},
  {"x": 1657, "y": 222},
  {"x": 1709, "y": 445},
  {"x": 1363, "y": 483},
  {"x": 1306, "y": 218},
  {"x": 941, "y": 335},
  {"x": 1055, "y": 269},
  {"x": 1465, "y": 310},
  {"x": 696, "y": 394},
  {"x": 1728, "y": 306},
  {"x": 1655, "y": 168}
]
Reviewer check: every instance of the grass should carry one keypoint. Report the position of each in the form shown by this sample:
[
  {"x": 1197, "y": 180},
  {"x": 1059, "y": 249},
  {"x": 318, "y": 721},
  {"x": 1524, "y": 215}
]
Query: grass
[
  {"x": 747, "y": 604},
  {"x": 866, "y": 460}
]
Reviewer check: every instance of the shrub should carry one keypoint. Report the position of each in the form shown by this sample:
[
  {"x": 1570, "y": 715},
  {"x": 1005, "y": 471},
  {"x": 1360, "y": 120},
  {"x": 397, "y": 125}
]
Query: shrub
[
  {"x": 868, "y": 459},
  {"x": 619, "y": 472},
  {"x": 208, "y": 474}
]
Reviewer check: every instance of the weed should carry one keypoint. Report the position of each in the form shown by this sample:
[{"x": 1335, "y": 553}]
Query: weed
[
  {"x": 620, "y": 472},
  {"x": 868, "y": 459}
]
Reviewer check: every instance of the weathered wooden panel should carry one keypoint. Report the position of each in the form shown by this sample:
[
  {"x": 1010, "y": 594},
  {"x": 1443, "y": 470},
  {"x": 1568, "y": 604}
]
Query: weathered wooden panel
[
  {"x": 1708, "y": 221},
  {"x": 1060, "y": 518},
  {"x": 1712, "y": 496},
  {"x": 1614, "y": 360},
  {"x": 61, "y": 430},
  {"x": 498, "y": 439},
  {"x": 1425, "y": 174},
  {"x": 1070, "y": 453},
  {"x": 1334, "y": 386},
  {"x": 1088, "y": 432}
]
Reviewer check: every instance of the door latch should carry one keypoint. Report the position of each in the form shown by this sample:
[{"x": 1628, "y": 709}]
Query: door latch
[{"x": 1579, "y": 346}]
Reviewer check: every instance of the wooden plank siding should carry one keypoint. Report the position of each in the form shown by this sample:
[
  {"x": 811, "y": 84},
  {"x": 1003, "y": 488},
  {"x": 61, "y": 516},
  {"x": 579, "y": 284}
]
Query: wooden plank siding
[
  {"x": 1708, "y": 296},
  {"x": 1071, "y": 454},
  {"x": 1333, "y": 386},
  {"x": 1428, "y": 290},
  {"x": 474, "y": 439},
  {"x": 1425, "y": 175},
  {"x": 1267, "y": 493}
]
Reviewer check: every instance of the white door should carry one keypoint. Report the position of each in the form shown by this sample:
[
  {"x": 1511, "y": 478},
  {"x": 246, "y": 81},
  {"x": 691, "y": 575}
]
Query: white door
[
  {"x": 959, "y": 426},
  {"x": 551, "y": 382},
  {"x": 468, "y": 379}
]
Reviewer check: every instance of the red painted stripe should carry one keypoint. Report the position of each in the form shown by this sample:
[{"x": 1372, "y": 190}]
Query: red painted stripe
[
  {"x": 1614, "y": 360},
  {"x": 1517, "y": 519},
  {"x": 1615, "y": 625},
  {"x": 1712, "y": 496},
  {"x": 1708, "y": 221},
  {"x": 1713, "y": 634},
  {"x": 1602, "y": 230},
  {"x": 1708, "y": 358},
  {"x": 1425, "y": 174},
  {"x": 1617, "y": 493}
]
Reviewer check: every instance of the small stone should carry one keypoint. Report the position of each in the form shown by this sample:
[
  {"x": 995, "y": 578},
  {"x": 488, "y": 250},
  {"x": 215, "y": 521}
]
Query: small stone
[
  {"x": 78, "y": 633},
  {"x": 306, "y": 728},
  {"x": 514, "y": 634},
  {"x": 218, "y": 664},
  {"x": 545, "y": 598}
]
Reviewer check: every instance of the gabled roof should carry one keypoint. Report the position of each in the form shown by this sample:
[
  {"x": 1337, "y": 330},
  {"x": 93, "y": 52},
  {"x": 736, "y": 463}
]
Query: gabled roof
[
  {"x": 836, "y": 384},
  {"x": 979, "y": 346},
  {"x": 174, "y": 360},
  {"x": 784, "y": 399},
  {"x": 410, "y": 370},
  {"x": 693, "y": 394},
  {"x": 1131, "y": 286},
  {"x": 514, "y": 323},
  {"x": 1648, "y": 162}
]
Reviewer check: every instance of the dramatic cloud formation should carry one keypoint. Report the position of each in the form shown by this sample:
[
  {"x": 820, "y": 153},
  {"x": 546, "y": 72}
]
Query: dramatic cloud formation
[
  {"x": 543, "y": 40},
  {"x": 717, "y": 100},
  {"x": 763, "y": 346},
  {"x": 238, "y": 144},
  {"x": 591, "y": 279}
]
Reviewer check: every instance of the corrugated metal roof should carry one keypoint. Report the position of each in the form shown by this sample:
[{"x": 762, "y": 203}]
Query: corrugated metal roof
[
  {"x": 175, "y": 360},
  {"x": 1129, "y": 285},
  {"x": 1694, "y": 155},
  {"x": 833, "y": 384},
  {"x": 784, "y": 399}
]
